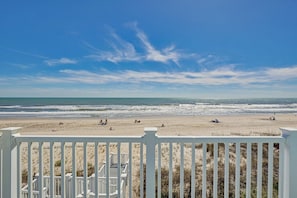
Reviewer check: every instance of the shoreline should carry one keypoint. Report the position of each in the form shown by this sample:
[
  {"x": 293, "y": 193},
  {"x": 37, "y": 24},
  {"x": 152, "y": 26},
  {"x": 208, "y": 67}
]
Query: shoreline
[{"x": 167, "y": 125}]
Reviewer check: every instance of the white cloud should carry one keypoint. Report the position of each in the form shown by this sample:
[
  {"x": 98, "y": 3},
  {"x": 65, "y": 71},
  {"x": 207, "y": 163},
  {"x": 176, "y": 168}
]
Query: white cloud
[
  {"x": 223, "y": 76},
  {"x": 211, "y": 60},
  {"x": 19, "y": 65},
  {"x": 61, "y": 61},
  {"x": 217, "y": 77},
  {"x": 165, "y": 55},
  {"x": 28, "y": 54},
  {"x": 123, "y": 51},
  {"x": 282, "y": 73}
]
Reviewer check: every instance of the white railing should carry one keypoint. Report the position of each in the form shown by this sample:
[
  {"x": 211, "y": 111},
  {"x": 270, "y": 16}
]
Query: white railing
[
  {"x": 214, "y": 166},
  {"x": 90, "y": 180}
]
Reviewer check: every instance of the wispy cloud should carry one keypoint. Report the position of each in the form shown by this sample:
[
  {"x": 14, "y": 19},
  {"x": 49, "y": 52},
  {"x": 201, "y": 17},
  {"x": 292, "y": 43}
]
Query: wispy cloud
[
  {"x": 61, "y": 61},
  {"x": 123, "y": 50},
  {"x": 152, "y": 54},
  {"x": 27, "y": 53},
  {"x": 20, "y": 65},
  {"x": 211, "y": 60},
  {"x": 282, "y": 73},
  {"x": 216, "y": 77}
]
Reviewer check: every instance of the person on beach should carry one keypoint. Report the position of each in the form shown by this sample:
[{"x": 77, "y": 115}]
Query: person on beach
[
  {"x": 215, "y": 120},
  {"x": 103, "y": 123}
]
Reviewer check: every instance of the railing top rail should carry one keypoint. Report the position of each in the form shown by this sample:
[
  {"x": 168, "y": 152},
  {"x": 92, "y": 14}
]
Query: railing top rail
[
  {"x": 79, "y": 139},
  {"x": 160, "y": 139},
  {"x": 221, "y": 139},
  {"x": 10, "y": 128}
]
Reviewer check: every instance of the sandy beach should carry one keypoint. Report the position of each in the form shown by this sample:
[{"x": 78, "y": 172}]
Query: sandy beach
[{"x": 173, "y": 125}]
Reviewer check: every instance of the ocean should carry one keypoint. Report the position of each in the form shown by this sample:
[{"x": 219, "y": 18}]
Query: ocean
[{"x": 134, "y": 107}]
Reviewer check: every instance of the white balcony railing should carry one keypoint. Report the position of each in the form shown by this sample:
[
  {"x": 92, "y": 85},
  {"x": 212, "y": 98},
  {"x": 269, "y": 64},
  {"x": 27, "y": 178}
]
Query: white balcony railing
[{"x": 181, "y": 166}]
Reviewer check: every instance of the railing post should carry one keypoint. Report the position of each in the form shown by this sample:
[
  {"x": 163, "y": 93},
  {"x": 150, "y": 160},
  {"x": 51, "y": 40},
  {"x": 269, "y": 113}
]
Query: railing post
[
  {"x": 150, "y": 139},
  {"x": 9, "y": 162},
  {"x": 290, "y": 162}
]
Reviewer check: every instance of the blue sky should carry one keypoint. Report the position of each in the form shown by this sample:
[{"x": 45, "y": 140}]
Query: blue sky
[{"x": 191, "y": 48}]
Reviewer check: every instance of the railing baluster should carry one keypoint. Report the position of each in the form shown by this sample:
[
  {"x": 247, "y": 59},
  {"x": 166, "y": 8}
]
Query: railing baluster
[
  {"x": 215, "y": 170},
  {"x": 19, "y": 171},
  {"x": 40, "y": 174},
  {"x": 107, "y": 169},
  {"x": 226, "y": 178},
  {"x": 181, "y": 180},
  {"x": 204, "y": 149},
  {"x": 259, "y": 170},
  {"x": 159, "y": 169},
  {"x": 237, "y": 169},
  {"x": 96, "y": 170},
  {"x": 193, "y": 170},
  {"x": 130, "y": 170},
  {"x": 141, "y": 170},
  {"x": 270, "y": 170},
  {"x": 248, "y": 170},
  {"x": 85, "y": 182},
  {"x": 119, "y": 170},
  {"x": 281, "y": 170},
  {"x": 52, "y": 171},
  {"x": 170, "y": 170},
  {"x": 63, "y": 195},
  {"x": 30, "y": 194},
  {"x": 73, "y": 169}
]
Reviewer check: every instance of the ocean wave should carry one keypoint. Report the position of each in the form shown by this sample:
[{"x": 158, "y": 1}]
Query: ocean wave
[{"x": 132, "y": 110}]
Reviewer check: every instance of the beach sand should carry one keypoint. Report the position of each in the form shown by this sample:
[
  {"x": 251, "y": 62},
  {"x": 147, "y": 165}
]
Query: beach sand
[{"x": 173, "y": 125}]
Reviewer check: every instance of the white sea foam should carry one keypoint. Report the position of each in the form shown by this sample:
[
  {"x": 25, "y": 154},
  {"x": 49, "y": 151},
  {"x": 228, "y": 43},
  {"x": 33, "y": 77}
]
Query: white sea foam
[{"x": 115, "y": 110}]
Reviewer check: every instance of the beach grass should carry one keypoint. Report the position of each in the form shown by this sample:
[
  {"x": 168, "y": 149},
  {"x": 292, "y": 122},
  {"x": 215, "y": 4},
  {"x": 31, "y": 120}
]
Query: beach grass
[{"x": 221, "y": 175}]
